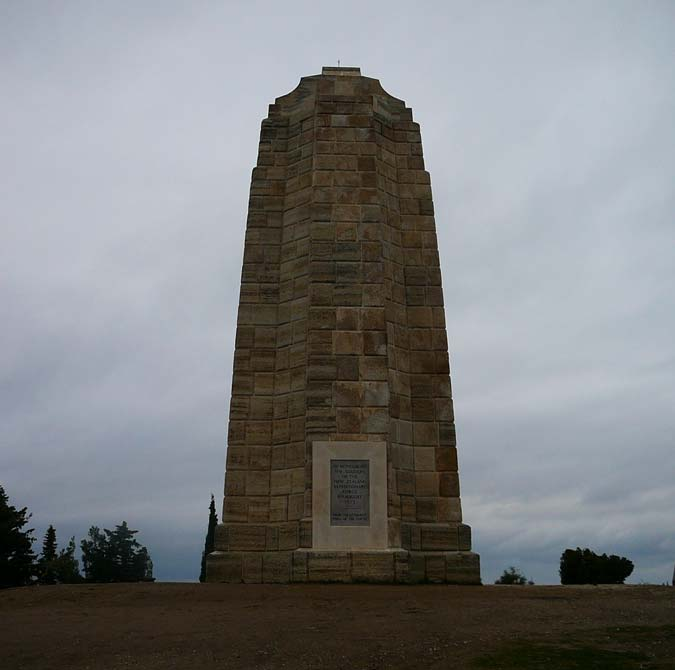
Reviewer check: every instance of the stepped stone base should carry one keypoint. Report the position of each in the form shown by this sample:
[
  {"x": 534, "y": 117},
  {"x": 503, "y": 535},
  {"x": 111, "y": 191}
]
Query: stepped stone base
[{"x": 383, "y": 567}]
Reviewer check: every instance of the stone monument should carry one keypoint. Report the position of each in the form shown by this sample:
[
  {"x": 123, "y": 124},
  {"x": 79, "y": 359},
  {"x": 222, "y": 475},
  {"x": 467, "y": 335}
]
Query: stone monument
[{"x": 341, "y": 459}]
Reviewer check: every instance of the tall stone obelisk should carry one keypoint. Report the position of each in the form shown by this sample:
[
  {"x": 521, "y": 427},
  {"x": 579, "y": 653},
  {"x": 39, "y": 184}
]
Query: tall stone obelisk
[{"x": 341, "y": 459}]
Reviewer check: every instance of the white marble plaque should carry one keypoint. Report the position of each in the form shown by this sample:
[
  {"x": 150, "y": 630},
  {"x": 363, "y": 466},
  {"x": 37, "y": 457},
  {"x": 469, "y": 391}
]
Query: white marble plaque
[{"x": 349, "y": 496}]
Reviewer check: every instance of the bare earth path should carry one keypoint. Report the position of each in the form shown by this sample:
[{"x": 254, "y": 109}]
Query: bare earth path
[{"x": 334, "y": 626}]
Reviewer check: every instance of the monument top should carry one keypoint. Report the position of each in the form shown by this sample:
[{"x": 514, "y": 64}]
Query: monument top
[{"x": 341, "y": 71}]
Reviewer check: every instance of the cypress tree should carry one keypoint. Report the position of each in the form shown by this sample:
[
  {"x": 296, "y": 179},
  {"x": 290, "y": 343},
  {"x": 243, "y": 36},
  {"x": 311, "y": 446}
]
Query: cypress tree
[{"x": 209, "y": 543}]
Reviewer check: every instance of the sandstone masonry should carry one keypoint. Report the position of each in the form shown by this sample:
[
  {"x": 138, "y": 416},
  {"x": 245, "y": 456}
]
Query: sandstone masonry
[{"x": 341, "y": 336}]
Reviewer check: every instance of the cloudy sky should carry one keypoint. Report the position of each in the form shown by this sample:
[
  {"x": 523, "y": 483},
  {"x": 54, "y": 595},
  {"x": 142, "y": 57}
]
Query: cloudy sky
[{"x": 127, "y": 135}]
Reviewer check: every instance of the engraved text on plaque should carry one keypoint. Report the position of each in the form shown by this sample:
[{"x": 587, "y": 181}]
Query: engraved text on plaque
[{"x": 350, "y": 492}]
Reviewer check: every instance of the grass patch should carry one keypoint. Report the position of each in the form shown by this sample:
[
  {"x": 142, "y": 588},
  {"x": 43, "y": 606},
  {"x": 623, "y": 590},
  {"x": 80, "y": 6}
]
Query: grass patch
[
  {"x": 530, "y": 656},
  {"x": 611, "y": 648},
  {"x": 632, "y": 634}
]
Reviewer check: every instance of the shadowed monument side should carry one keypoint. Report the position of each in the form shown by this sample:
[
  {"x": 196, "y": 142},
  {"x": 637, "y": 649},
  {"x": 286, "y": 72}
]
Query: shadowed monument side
[{"x": 341, "y": 459}]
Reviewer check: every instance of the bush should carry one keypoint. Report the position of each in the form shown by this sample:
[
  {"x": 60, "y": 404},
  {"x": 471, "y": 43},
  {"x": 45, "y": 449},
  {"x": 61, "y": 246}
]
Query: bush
[
  {"x": 513, "y": 576},
  {"x": 582, "y": 566}
]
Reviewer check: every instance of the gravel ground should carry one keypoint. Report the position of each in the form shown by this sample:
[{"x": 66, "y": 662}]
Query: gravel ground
[{"x": 319, "y": 626}]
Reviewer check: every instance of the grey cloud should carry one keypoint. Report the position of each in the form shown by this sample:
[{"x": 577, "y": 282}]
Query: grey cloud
[{"x": 128, "y": 138}]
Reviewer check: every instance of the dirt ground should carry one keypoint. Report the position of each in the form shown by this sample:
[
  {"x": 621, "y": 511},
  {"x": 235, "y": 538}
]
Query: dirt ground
[{"x": 336, "y": 626}]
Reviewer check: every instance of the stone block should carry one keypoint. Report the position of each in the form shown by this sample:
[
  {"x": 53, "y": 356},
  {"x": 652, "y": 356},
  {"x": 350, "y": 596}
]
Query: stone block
[
  {"x": 425, "y": 458},
  {"x": 462, "y": 568},
  {"x": 347, "y": 342},
  {"x": 235, "y": 509},
  {"x": 278, "y": 508},
  {"x": 446, "y": 459},
  {"x": 375, "y": 420},
  {"x": 464, "y": 535},
  {"x": 296, "y": 504},
  {"x": 327, "y": 566},
  {"x": 449, "y": 509},
  {"x": 306, "y": 530},
  {"x": 349, "y": 394},
  {"x": 257, "y": 483},
  {"x": 221, "y": 538},
  {"x": 280, "y": 482},
  {"x": 416, "y": 568},
  {"x": 401, "y": 573},
  {"x": 348, "y": 419},
  {"x": 408, "y": 508},
  {"x": 348, "y": 318},
  {"x": 235, "y": 483},
  {"x": 289, "y": 537},
  {"x": 373, "y": 567},
  {"x": 260, "y": 458},
  {"x": 277, "y": 567},
  {"x": 374, "y": 343},
  {"x": 448, "y": 484},
  {"x": 405, "y": 482},
  {"x": 427, "y": 509},
  {"x": 439, "y": 538},
  {"x": 426, "y": 484},
  {"x": 246, "y": 537},
  {"x": 425, "y": 433},
  {"x": 258, "y": 509},
  {"x": 373, "y": 368},
  {"x": 299, "y": 566},
  {"x": 347, "y": 367},
  {"x": 272, "y": 538},
  {"x": 376, "y": 394},
  {"x": 224, "y": 567},
  {"x": 435, "y": 569},
  {"x": 252, "y": 568}
]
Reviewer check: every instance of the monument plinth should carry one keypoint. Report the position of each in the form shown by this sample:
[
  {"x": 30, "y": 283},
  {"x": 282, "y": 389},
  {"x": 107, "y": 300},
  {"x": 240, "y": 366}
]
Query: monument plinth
[{"x": 341, "y": 459}]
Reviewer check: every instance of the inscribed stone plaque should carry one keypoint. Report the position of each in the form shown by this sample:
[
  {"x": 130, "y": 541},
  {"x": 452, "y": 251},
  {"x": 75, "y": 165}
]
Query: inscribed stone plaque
[{"x": 350, "y": 492}]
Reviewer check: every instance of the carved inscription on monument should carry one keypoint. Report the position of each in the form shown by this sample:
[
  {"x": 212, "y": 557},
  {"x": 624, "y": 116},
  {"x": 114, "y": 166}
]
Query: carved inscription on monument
[{"x": 349, "y": 492}]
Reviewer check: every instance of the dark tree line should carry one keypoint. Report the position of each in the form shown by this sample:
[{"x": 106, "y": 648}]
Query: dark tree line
[
  {"x": 583, "y": 566},
  {"x": 115, "y": 556},
  {"x": 107, "y": 556}
]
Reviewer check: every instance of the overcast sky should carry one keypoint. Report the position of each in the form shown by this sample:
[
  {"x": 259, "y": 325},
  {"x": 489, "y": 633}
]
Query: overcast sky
[{"x": 127, "y": 136}]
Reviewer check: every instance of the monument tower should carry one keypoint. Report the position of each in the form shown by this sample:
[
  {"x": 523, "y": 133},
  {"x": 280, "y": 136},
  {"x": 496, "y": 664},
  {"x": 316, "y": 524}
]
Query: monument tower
[{"x": 341, "y": 459}]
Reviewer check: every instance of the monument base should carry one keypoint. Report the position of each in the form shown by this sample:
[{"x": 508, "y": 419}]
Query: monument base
[{"x": 394, "y": 566}]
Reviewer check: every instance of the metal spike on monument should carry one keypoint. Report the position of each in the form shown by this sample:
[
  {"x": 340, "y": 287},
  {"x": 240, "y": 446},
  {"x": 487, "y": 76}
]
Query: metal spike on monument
[{"x": 341, "y": 458}]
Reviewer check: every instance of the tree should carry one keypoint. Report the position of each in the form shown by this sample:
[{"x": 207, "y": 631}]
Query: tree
[
  {"x": 513, "y": 576},
  {"x": 61, "y": 567},
  {"x": 583, "y": 566},
  {"x": 66, "y": 567},
  {"x": 17, "y": 560},
  {"x": 48, "y": 557},
  {"x": 115, "y": 556},
  {"x": 209, "y": 544}
]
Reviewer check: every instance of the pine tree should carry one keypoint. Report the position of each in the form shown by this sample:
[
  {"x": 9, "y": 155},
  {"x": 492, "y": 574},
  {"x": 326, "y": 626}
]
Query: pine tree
[
  {"x": 209, "y": 544},
  {"x": 17, "y": 561},
  {"x": 67, "y": 569},
  {"x": 115, "y": 556},
  {"x": 47, "y": 559}
]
